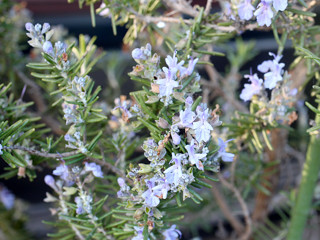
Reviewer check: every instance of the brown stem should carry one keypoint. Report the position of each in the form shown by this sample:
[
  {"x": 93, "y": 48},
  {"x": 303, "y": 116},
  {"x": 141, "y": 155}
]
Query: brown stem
[
  {"x": 243, "y": 206},
  {"x": 222, "y": 202},
  {"x": 208, "y": 7},
  {"x": 270, "y": 175},
  {"x": 214, "y": 77}
]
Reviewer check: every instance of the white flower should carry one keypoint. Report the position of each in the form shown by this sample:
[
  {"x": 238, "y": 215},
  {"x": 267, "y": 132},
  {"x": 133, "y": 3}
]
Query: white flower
[
  {"x": 94, "y": 168},
  {"x": 172, "y": 233},
  {"x": 174, "y": 173},
  {"x": 103, "y": 10},
  {"x": 226, "y": 157},
  {"x": 251, "y": 89},
  {"x": 194, "y": 158},
  {"x": 264, "y": 13},
  {"x": 173, "y": 64},
  {"x": 273, "y": 71},
  {"x": 202, "y": 127},
  {"x": 186, "y": 118},
  {"x": 280, "y": 5},
  {"x": 245, "y": 10},
  {"x": 167, "y": 84}
]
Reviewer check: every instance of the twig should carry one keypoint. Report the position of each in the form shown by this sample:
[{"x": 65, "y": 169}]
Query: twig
[
  {"x": 243, "y": 206},
  {"x": 148, "y": 19},
  {"x": 76, "y": 231},
  {"x": 233, "y": 170},
  {"x": 182, "y": 6},
  {"x": 208, "y": 7},
  {"x": 67, "y": 154},
  {"x": 222, "y": 202},
  {"x": 41, "y": 154},
  {"x": 214, "y": 77},
  {"x": 36, "y": 96}
]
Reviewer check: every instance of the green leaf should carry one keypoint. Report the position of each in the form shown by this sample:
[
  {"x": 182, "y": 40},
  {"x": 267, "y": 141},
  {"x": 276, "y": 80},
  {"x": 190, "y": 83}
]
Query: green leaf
[{"x": 300, "y": 12}]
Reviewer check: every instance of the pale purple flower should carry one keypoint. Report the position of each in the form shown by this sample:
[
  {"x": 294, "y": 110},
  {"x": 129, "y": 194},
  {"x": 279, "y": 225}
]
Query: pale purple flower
[
  {"x": 194, "y": 157},
  {"x": 273, "y": 71},
  {"x": 45, "y": 28},
  {"x": 37, "y": 27},
  {"x": 264, "y": 13},
  {"x": 124, "y": 188},
  {"x": 1, "y": 147},
  {"x": 189, "y": 102},
  {"x": 161, "y": 190},
  {"x": 121, "y": 182},
  {"x": 49, "y": 180},
  {"x": 104, "y": 11},
  {"x": 62, "y": 171},
  {"x": 137, "y": 54},
  {"x": 123, "y": 105},
  {"x": 7, "y": 198},
  {"x": 227, "y": 10},
  {"x": 79, "y": 203},
  {"x": 201, "y": 127},
  {"x": 174, "y": 173},
  {"x": 94, "y": 168},
  {"x": 60, "y": 48},
  {"x": 189, "y": 70},
  {"x": 173, "y": 64},
  {"x": 29, "y": 27},
  {"x": 226, "y": 157},
  {"x": 245, "y": 10},
  {"x": 139, "y": 231},
  {"x": 142, "y": 53},
  {"x": 251, "y": 89},
  {"x": 186, "y": 118},
  {"x": 47, "y": 48},
  {"x": 172, "y": 233},
  {"x": 167, "y": 84},
  {"x": 293, "y": 92},
  {"x": 280, "y": 5},
  {"x": 69, "y": 138},
  {"x": 83, "y": 204},
  {"x": 149, "y": 196},
  {"x": 175, "y": 138},
  {"x": 69, "y": 114}
]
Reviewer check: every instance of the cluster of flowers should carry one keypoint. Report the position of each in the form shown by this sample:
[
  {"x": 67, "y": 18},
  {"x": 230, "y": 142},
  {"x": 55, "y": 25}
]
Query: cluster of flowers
[
  {"x": 76, "y": 88},
  {"x": 167, "y": 79},
  {"x": 63, "y": 186},
  {"x": 76, "y": 93},
  {"x": 264, "y": 12},
  {"x": 283, "y": 97},
  {"x": 40, "y": 38},
  {"x": 183, "y": 145}
]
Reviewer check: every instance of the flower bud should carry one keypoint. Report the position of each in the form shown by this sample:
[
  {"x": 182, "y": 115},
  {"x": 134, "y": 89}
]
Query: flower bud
[
  {"x": 49, "y": 180},
  {"x": 45, "y": 28},
  {"x": 47, "y": 48},
  {"x": 176, "y": 138},
  {"x": 162, "y": 123},
  {"x": 29, "y": 26}
]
